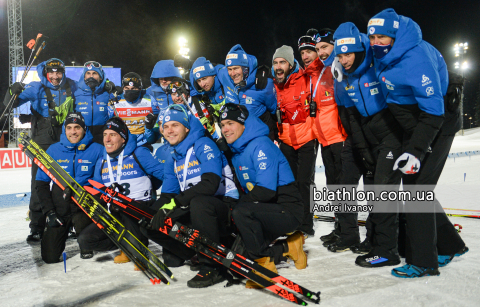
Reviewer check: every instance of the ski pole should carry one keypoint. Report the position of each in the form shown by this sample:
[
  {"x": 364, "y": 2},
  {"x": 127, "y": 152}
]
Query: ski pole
[{"x": 10, "y": 104}]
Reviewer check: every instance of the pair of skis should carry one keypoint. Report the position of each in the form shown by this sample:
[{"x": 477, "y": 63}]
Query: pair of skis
[
  {"x": 237, "y": 263},
  {"x": 148, "y": 263}
]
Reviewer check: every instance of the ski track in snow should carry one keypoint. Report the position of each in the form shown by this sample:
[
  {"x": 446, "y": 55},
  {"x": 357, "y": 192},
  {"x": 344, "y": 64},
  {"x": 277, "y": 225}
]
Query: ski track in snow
[{"x": 25, "y": 280}]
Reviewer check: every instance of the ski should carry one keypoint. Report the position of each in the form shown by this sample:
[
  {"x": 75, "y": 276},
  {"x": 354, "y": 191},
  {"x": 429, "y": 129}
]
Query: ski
[
  {"x": 126, "y": 241},
  {"x": 193, "y": 239}
]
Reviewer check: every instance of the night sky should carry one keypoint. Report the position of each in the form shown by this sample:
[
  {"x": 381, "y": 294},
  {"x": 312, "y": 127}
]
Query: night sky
[{"x": 135, "y": 34}]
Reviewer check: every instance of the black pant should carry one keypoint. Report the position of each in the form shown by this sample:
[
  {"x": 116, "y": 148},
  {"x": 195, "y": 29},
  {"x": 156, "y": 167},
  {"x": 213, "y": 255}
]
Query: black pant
[
  {"x": 208, "y": 215},
  {"x": 261, "y": 223},
  {"x": 385, "y": 225},
  {"x": 427, "y": 233},
  {"x": 302, "y": 163},
  {"x": 37, "y": 218},
  {"x": 53, "y": 241},
  {"x": 332, "y": 162},
  {"x": 352, "y": 170},
  {"x": 94, "y": 239}
]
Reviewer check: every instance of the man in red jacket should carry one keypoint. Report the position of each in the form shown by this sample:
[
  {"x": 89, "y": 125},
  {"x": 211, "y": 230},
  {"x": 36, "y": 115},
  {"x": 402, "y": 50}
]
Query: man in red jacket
[
  {"x": 298, "y": 142},
  {"x": 327, "y": 125}
]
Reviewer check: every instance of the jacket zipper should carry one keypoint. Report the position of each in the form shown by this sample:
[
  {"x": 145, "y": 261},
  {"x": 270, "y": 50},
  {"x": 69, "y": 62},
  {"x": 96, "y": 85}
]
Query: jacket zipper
[{"x": 360, "y": 90}]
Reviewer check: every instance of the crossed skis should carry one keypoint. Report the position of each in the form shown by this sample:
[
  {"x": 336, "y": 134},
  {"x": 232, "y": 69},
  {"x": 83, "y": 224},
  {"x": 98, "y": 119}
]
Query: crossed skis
[
  {"x": 148, "y": 263},
  {"x": 195, "y": 240}
]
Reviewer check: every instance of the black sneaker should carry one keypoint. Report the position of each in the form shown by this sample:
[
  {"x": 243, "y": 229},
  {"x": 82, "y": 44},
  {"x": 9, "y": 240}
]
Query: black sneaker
[
  {"x": 371, "y": 260},
  {"x": 329, "y": 237},
  {"x": 362, "y": 248},
  {"x": 207, "y": 277},
  {"x": 340, "y": 246},
  {"x": 86, "y": 254},
  {"x": 34, "y": 236}
]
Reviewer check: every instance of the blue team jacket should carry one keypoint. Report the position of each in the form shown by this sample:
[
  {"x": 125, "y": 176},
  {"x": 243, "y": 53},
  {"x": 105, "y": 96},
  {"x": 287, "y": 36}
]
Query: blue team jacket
[{"x": 256, "y": 101}]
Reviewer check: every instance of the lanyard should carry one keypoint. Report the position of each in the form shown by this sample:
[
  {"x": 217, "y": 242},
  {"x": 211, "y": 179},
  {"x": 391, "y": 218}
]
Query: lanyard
[
  {"x": 185, "y": 167},
  {"x": 318, "y": 81},
  {"x": 119, "y": 168}
]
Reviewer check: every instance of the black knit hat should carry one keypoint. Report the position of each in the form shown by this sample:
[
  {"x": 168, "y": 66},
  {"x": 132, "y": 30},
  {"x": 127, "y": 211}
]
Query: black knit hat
[
  {"x": 118, "y": 125},
  {"x": 132, "y": 79},
  {"x": 324, "y": 35},
  {"x": 235, "y": 112},
  {"x": 75, "y": 118}
]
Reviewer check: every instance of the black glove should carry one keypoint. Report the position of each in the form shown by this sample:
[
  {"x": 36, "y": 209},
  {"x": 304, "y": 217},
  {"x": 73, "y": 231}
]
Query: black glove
[
  {"x": 367, "y": 159},
  {"x": 17, "y": 88},
  {"x": 180, "y": 61},
  {"x": 158, "y": 220},
  {"x": 119, "y": 90},
  {"x": 25, "y": 118},
  {"x": 261, "y": 77},
  {"x": 150, "y": 120},
  {"x": 110, "y": 87},
  {"x": 53, "y": 220}
]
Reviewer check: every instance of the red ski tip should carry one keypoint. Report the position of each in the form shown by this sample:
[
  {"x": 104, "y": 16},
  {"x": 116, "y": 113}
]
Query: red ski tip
[
  {"x": 158, "y": 281},
  {"x": 153, "y": 281}
]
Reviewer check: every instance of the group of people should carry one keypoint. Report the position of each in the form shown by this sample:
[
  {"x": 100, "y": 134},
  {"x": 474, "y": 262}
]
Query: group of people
[{"x": 382, "y": 106}]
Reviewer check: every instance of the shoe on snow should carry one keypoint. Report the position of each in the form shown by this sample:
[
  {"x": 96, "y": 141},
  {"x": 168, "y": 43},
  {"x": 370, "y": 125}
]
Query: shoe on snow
[
  {"x": 362, "y": 248},
  {"x": 329, "y": 237},
  {"x": 86, "y": 254},
  {"x": 443, "y": 260},
  {"x": 371, "y": 260},
  {"x": 412, "y": 271},
  {"x": 266, "y": 263},
  {"x": 122, "y": 258},
  {"x": 340, "y": 246},
  {"x": 34, "y": 236},
  {"x": 330, "y": 242},
  {"x": 207, "y": 277},
  {"x": 293, "y": 249}
]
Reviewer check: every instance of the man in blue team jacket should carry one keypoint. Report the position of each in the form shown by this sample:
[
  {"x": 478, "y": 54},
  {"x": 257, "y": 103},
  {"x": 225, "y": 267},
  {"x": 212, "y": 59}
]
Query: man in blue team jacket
[
  {"x": 272, "y": 205},
  {"x": 77, "y": 154},
  {"x": 162, "y": 75},
  {"x": 51, "y": 99},
  {"x": 197, "y": 181},
  {"x": 239, "y": 81},
  {"x": 127, "y": 168},
  {"x": 414, "y": 80},
  {"x": 91, "y": 98},
  {"x": 375, "y": 135}
]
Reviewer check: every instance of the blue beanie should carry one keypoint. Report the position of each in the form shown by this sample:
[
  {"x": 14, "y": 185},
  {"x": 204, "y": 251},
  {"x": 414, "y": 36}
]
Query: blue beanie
[
  {"x": 90, "y": 67},
  {"x": 236, "y": 57},
  {"x": 347, "y": 39},
  {"x": 202, "y": 68},
  {"x": 178, "y": 113},
  {"x": 386, "y": 23}
]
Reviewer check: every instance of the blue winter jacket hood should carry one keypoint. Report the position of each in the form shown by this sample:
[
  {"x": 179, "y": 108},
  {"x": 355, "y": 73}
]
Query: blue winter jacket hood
[
  {"x": 254, "y": 128},
  {"x": 427, "y": 80},
  {"x": 409, "y": 35},
  {"x": 44, "y": 80},
  {"x": 197, "y": 131},
  {"x": 99, "y": 89},
  {"x": 196, "y": 90},
  {"x": 252, "y": 70},
  {"x": 163, "y": 69}
]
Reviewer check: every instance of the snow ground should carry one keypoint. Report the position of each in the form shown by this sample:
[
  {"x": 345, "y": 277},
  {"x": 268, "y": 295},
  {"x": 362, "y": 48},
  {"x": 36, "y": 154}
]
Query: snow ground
[{"x": 26, "y": 281}]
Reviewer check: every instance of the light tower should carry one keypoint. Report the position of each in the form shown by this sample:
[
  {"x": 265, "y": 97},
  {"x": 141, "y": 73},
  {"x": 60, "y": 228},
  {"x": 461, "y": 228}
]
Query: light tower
[
  {"x": 184, "y": 50},
  {"x": 15, "y": 54},
  {"x": 460, "y": 51}
]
